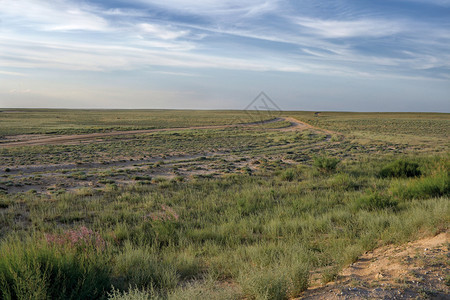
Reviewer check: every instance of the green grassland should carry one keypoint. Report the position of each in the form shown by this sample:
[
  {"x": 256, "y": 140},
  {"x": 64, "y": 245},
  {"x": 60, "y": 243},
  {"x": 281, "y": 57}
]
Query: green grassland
[
  {"x": 418, "y": 129},
  {"x": 231, "y": 213},
  {"x": 53, "y": 121}
]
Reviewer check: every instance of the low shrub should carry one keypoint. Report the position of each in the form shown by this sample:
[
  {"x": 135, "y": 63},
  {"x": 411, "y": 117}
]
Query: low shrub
[
  {"x": 400, "y": 169},
  {"x": 375, "y": 201},
  {"x": 325, "y": 164},
  {"x": 437, "y": 185}
]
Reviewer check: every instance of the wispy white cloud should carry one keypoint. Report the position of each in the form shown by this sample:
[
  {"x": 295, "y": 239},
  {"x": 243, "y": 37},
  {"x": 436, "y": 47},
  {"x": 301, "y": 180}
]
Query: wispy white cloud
[
  {"x": 56, "y": 15},
  {"x": 162, "y": 32},
  {"x": 348, "y": 29},
  {"x": 9, "y": 73},
  {"x": 73, "y": 56},
  {"x": 180, "y": 46},
  {"x": 22, "y": 91},
  {"x": 213, "y": 8},
  {"x": 318, "y": 45},
  {"x": 178, "y": 73},
  {"x": 430, "y": 2},
  {"x": 124, "y": 12}
]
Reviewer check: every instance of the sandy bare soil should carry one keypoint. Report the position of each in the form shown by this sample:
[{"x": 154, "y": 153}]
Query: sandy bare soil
[
  {"x": 34, "y": 140},
  {"x": 416, "y": 270},
  {"x": 299, "y": 125}
]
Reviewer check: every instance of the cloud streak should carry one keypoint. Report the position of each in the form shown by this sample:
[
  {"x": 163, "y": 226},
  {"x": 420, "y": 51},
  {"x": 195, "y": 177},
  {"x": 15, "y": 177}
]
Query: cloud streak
[
  {"x": 349, "y": 29},
  {"x": 56, "y": 15},
  {"x": 149, "y": 40}
]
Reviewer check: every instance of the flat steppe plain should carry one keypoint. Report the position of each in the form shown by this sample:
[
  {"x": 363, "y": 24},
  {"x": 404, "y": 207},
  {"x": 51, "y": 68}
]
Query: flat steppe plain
[{"x": 221, "y": 204}]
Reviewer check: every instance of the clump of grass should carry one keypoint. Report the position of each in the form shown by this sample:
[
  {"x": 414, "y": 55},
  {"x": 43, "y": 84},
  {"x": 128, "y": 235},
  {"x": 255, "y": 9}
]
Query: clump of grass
[
  {"x": 436, "y": 185},
  {"x": 5, "y": 203},
  {"x": 85, "y": 191},
  {"x": 106, "y": 181},
  {"x": 186, "y": 264},
  {"x": 375, "y": 200},
  {"x": 330, "y": 274},
  {"x": 401, "y": 168},
  {"x": 344, "y": 181},
  {"x": 280, "y": 282},
  {"x": 178, "y": 178},
  {"x": 142, "y": 268},
  {"x": 325, "y": 164},
  {"x": 159, "y": 180},
  {"x": 143, "y": 177},
  {"x": 80, "y": 175},
  {"x": 35, "y": 269},
  {"x": 288, "y": 175},
  {"x": 133, "y": 293}
]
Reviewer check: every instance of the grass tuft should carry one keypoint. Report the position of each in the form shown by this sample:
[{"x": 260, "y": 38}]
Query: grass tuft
[{"x": 325, "y": 164}]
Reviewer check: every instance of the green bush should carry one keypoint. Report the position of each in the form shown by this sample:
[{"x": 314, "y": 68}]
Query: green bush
[
  {"x": 33, "y": 269},
  {"x": 374, "y": 201},
  {"x": 325, "y": 164},
  {"x": 400, "y": 169},
  {"x": 437, "y": 185}
]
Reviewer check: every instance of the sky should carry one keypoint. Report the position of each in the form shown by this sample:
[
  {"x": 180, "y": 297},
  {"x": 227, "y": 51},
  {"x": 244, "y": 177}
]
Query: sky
[{"x": 342, "y": 55}]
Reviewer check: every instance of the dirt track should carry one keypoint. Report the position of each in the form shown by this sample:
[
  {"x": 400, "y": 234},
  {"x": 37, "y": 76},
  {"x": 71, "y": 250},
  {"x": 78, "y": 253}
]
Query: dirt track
[
  {"x": 299, "y": 125},
  {"x": 30, "y": 140}
]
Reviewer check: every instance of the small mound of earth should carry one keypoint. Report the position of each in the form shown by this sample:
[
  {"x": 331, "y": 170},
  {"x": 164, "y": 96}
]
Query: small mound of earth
[{"x": 417, "y": 270}]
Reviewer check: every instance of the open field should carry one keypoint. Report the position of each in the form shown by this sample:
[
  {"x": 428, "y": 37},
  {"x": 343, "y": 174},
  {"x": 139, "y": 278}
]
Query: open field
[
  {"x": 211, "y": 205},
  {"x": 54, "y": 121}
]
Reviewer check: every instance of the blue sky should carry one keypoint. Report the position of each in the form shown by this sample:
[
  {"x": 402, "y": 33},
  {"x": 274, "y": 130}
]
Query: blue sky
[{"x": 360, "y": 55}]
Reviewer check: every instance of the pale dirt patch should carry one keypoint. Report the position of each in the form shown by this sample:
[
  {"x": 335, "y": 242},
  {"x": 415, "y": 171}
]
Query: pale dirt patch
[
  {"x": 416, "y": 270},
  {"x": 297, "y": 125}
]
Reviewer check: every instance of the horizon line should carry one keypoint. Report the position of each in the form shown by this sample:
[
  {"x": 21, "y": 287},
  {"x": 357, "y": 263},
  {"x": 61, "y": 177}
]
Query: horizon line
[{"x": 210, "y": 109}]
